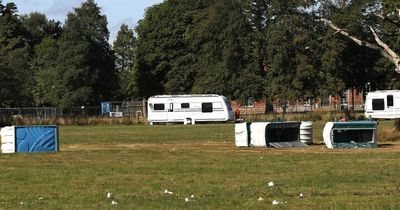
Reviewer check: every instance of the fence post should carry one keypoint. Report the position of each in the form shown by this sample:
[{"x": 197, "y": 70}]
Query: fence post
[{"x": 144, "y": 108}]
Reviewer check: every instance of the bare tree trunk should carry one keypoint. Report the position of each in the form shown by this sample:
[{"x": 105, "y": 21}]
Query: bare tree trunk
[{"x": 382, "y": 47}]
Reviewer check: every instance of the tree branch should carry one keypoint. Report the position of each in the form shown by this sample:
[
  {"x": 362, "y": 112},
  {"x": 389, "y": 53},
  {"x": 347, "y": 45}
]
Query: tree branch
[
  {"x": 382, "y": 47},
  {"x": 383, "y": 18}
]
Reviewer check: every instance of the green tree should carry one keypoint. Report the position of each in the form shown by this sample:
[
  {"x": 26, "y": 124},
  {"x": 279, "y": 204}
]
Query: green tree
[
  {"x": 86, "y": 61},
  {"x": 47, "y": 89},
  {"x": 224, "y": 42},
  {"x": 38, "y": 27},
  {"x": 15, "y": 76},
  {"x": 164, "y": 57},
  {"x": 292, "y": 60},
  {"x": 360, "y": 65},
  {"x": 124, "y": 48}
]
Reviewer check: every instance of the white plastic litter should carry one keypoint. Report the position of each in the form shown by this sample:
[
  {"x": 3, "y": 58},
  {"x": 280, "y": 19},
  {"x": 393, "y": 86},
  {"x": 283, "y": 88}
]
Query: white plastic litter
[
  {"x": 260, "y": 199},
  {"x": 168, "y": 192},
  {"x": 114, "y": 203},
  {"x": 41, "y": 198},
  {"x": 109, "y": 195},
  {"x": 187, "y": 200},
  {"x": 270, "y": 184},
  {"x": 192, "y": 196},
  {"x": 301, "y": 195},
  {"x": 275, "y": 202}
]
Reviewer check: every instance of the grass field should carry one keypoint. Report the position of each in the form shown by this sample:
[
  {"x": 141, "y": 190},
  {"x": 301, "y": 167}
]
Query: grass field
[{"x": 137, "y": 163}]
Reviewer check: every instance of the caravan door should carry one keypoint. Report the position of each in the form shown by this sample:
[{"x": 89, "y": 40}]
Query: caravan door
[{"x": 170, "y": 113}]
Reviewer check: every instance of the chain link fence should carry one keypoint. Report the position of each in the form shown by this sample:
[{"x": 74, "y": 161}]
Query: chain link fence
[{"x": 130, "y": 109}]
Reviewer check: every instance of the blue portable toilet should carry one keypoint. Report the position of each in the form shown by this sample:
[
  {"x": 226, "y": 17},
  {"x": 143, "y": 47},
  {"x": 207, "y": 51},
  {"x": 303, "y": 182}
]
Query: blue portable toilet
[
  {"x": 105, "y": 107},
  {"x": 30, "y": 139},
  {"x": 353, "y": 134}
]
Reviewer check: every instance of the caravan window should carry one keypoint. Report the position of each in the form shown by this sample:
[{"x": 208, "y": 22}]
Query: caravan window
[
  {"x": 389, "y": 100},
  {"x": 378, "y": 104},
  {"x": 206, "y": 107},
  {"x": 159, "y": 107},
  {"x": 185, "y": 105}
]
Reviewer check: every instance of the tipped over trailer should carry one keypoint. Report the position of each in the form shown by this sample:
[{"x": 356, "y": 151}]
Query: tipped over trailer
[
  {"x": 383, "y": 104},
  {"x": 189, "y": 109}
]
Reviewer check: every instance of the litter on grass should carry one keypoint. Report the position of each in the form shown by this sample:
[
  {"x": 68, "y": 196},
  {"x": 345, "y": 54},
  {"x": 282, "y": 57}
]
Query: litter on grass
[
  {"x": 270, "y": 184},
  {"x": 168, "y": 192},
  {"x": 109, "y": 195}
]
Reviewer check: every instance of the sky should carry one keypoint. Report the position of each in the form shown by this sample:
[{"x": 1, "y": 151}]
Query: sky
[{"x": 117, "y": 11}]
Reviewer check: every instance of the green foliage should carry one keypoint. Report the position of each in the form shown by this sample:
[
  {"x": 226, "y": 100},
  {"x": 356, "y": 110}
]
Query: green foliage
[
  {"x": 85, "y": 62},
  {"x": 222, "y": 36},
  {"x": 263, "y": 49},
  {"x": 124, "y": 48},
  {"x": 47, "y": 88},
  {"x": 15, "y": 76}
]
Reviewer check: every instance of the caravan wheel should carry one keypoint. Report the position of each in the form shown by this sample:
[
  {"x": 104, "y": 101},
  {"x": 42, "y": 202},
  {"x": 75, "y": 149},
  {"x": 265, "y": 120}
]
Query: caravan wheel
[{"x": 187, "y": 121}]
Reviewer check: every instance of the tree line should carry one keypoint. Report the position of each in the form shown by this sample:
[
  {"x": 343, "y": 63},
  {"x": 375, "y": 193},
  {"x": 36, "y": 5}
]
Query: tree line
[{"x": 264, "y": 49}]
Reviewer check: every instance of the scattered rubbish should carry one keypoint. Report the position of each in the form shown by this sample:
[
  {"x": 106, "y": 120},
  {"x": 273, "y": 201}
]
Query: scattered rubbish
[
  {"x": 187, "y": 200},
  {"x": 21, "y": 203},
  {"x": 109, "y": 195},
  {"x": 270, "y": 184},
  {"x": 168, "y": 192},
  {"x": 260, "y": 199},
  {"x": 275, "y": 202},
  {"x": 41, "y": 198},
  {"x": 114, "y": 203},
  {"x": 192, "y": 196},
  {"x": 301, "y": 195}
]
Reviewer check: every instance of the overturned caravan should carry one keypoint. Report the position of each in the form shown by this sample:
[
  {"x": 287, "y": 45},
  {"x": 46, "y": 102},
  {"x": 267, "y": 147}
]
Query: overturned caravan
[
  {"x": 268, "y": 134},
  {"x": 356, "y": 134}
]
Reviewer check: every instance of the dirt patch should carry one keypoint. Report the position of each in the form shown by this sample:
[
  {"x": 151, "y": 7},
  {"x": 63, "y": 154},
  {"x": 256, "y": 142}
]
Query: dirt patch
[{"x": 211, "y": 146}]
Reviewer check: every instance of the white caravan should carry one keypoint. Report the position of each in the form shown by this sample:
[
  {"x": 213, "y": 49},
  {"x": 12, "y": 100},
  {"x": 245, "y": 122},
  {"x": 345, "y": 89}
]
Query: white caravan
[
  {"x": 383, "y": 104},
  {"x": 188, "y": 109}
]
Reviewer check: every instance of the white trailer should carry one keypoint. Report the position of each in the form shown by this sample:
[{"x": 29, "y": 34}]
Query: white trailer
[
  {"x": 383, "y": 104},
  {"x": 189, "y": 109}
]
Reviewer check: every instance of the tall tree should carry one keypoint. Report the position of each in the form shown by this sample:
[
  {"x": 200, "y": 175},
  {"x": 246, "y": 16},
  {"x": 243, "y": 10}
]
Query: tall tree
[
  {"x": 86, "y": 61},
  {"x": 44, "y": 63},
  {"x": 292, "y": 58},
  {"x": 15, "y": 76},
  {"x": 224, "y": 46},
  {"x": 359, "y": 65},
  {"x": 164, "y": 57},
  {"x": 39, "y": 27},
  {"x": 124, "y": 47}
]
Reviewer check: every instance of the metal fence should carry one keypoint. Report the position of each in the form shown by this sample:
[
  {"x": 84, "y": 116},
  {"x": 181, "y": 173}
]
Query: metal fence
[{"x": 127, "y": 109}]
